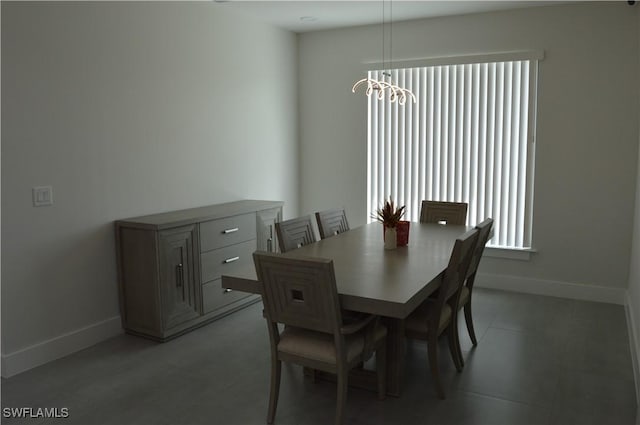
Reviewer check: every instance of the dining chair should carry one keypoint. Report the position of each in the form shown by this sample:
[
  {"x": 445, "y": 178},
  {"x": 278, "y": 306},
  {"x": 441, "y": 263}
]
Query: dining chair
[
  {"x": 332, "y": 222},
  {"x": 301, "y": 293},
  {"x": 295, "y": 233},
  {"x": 484, "y": 231},
  {"x": 443, "y": 212},
  {"x": 437, "y": 315}
]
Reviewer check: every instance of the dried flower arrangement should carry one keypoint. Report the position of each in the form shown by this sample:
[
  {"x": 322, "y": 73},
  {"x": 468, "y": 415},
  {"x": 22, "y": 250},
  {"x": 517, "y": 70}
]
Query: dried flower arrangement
[{"x": 389, "y": 215}]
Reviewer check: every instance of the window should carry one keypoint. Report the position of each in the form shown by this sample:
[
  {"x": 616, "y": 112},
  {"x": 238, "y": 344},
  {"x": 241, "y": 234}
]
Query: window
[{"x": 469, "y": 138}]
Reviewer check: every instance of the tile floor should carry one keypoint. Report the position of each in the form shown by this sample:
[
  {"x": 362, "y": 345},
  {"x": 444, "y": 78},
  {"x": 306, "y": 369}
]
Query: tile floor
[{"x": 540, "y": 360}]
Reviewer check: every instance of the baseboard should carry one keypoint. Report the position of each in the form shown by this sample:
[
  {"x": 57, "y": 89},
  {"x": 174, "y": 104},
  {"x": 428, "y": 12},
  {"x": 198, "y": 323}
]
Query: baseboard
[
  {"x": 634, "y": 343},
  {"x": 63, "y": 345},
  {"x": 552, "y": 288}
]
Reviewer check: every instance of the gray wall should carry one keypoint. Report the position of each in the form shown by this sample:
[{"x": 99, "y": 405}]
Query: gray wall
[
  {"x": 587, "y": 144},
  {"x": 634, "y": 274},
  {"x": 128, "y": 109}
]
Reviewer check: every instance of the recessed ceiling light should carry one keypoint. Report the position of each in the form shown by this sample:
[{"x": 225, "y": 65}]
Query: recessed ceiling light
[{"x": 308, "y": 18}]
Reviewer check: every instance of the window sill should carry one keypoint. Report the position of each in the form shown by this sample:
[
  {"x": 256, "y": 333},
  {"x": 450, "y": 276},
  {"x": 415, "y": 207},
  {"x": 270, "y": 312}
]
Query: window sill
[{"x": 521, "y": 254}]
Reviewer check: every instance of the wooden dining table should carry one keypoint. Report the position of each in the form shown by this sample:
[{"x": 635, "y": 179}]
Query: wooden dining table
[{"x": 370, "y": 279}]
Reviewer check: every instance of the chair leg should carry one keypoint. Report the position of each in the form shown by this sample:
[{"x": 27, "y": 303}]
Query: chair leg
[
  {"x": 460, "y": 356},
  {"x": 381, "y": 370},
  {"x": 469, "y": 320},
  {"x": 342, "y": 378},
  {"x": 457, "y": 336},
  {"x": 432, "y": 345},
  {"x": 454, "y": 344},
  {"x": 276, "y": 367}
]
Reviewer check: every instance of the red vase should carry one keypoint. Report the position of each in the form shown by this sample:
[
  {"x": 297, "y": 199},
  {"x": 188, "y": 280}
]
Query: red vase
[{"x": 402, "y": 229}]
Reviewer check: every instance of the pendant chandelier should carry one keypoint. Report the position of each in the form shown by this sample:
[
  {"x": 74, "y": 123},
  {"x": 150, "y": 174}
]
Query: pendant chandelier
[{"x": 385, "y": 86}]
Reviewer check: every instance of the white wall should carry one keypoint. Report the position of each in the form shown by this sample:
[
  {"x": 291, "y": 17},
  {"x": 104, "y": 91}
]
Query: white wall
[
  {"x": 126, "y": 109},
  {"x": 587, "y": 148}
]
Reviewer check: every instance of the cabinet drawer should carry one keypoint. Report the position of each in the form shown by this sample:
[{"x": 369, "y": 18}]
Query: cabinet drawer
[
  {"x": 227, "y": 231},
  {"x": 214, "y": 297},
  {"x": 214, "y": 264}
]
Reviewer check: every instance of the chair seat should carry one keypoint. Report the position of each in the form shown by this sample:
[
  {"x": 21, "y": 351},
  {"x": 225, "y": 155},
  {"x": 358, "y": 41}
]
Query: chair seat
[
  {"x": 320, "y": 346},
  {"x": 465, "y": 296},
  {"x": 418, "y": 322}
]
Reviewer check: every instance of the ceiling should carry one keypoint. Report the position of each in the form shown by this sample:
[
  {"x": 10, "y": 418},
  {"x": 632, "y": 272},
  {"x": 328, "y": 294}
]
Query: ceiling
[{"x": 307, "y": 15}]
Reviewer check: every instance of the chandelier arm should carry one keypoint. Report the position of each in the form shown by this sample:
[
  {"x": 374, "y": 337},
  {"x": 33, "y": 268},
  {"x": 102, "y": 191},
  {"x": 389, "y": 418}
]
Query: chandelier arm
[
  {"x": 358, "y": 83},
  {"x": 394, "y": 92},
  {"x": 382, "y": 87},
  {"x": 402, "y": 99},
  {"x": 371, "y": 86},
  {"x": 409, "y": 93}
]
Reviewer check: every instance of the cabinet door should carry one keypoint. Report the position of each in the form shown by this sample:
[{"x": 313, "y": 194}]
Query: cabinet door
[
  {"x": 179, "y": 282},
  {"x": 267, "y": 229}
]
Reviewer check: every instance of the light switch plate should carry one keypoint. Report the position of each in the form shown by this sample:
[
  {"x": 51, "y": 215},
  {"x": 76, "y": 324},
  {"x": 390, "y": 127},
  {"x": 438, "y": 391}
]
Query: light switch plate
[{"x": 42, "y": 196}]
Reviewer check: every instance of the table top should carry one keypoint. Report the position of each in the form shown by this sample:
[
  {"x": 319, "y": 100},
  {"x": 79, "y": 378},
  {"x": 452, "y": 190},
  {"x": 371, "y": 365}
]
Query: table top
[{"x": 371, "y": 279}]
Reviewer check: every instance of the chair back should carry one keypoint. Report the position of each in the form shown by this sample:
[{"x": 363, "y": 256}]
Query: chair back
[
  {"x": 484, "y": 230},
  {"x": 295, "y": 233},
  {"x": 299, "y": 292},
  {"x": 332, "y": 222},
  {"x": 456, "y": 272},
  {"x": 447, "y": 212}
]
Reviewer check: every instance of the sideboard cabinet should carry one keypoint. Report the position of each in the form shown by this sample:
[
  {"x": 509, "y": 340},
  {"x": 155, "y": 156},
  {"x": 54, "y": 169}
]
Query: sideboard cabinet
[{"x": 170, "y": 264}]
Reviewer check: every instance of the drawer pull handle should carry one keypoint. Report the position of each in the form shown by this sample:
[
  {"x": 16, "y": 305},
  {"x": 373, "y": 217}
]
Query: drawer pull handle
[
  {"x": 179, "y": 276},
  {"x": 235, "y": 229},
  {"x": 226, "y": 291},
  {"x": 231, "y": 260}
]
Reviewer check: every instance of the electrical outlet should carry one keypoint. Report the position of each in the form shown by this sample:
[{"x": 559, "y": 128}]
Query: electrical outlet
[{"x": 42, "y": 196}]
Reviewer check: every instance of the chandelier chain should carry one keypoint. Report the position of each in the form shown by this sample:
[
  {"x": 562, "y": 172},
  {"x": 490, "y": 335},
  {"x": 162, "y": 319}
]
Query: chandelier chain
[{"x": 383, "y": 87}]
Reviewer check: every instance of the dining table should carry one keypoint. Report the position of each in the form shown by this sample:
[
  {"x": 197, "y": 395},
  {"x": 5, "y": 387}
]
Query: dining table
[{"x": 389, "y": 283}]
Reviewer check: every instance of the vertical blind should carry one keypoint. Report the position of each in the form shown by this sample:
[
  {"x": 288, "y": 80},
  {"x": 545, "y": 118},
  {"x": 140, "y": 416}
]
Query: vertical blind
[{"x": 469, "y": 138}]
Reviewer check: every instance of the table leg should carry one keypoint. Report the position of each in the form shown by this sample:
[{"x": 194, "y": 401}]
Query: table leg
[{"x": 396, "y": 348}]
